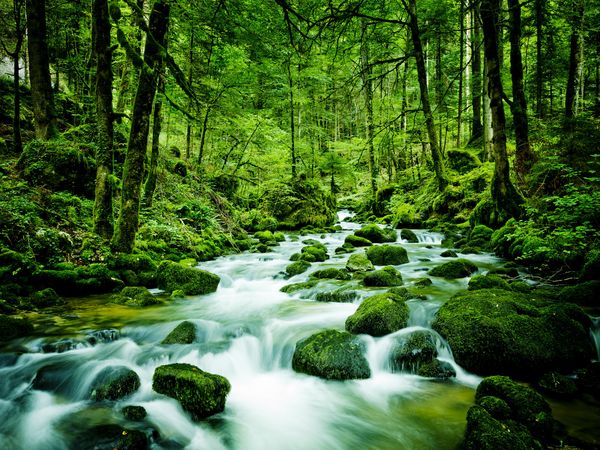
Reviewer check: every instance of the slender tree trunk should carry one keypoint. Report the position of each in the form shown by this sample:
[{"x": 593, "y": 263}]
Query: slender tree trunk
[
  {"x": 438, "y": 163},
  {"x": 17, "y": 139},
  {"x": 39, "y": 71},
  {"x": 368, "y": 92},
  {"x": 133, "y": 168},
  {"x": 203, "y": 135},
  {"x": 103, "y": 209},
  {"x": 575, "y": 60},
  {"x": 292, "y": 115},
  {"x": 539, "y": 69},
  {"x": 460, "y": 76},
  {"x": 188, "y": 131},
  {"x": 506, "y": 200},
  {"x": 150, "y": 185},
  {"x": 524, "y": 157},
  {"x": 476, "y": 125}
]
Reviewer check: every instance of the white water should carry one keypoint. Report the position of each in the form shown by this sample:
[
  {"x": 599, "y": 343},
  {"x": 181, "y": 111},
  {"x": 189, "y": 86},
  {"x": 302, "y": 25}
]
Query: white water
[{"x": 247, "y": 332}]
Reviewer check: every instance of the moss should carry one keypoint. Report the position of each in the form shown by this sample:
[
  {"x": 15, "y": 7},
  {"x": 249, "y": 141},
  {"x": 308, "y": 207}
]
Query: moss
[
  {"x": 437, "y": 369},
  {"x": 520, "y": 286},
  {"x": 83, "y": 280},
  {"x": 386, "y": 277},
  {"x": 264, "y": 236},
  {"x": 278, "y": 237},
  {"x": 494, "y": 331},
  {"x": 134, "y": 413},
  {"x": 486, "y": 433},
  {"x": 297, "y": 268},
  {"x": 510, "y": 272},
  {"x": 340, "y": 296},
  {"x": 462, "y": 161},
  {"x": 12, "y": 327},
  {"x": 359, "y": 262},
  {"x": 422, "y": 282},
  {"x": 480, "y": 237},
  {"x": 413, "y": 351},
  {"x": 114, "y": 383},
  {"x": 448, "y": 254},
  {"x": 135, "y": 296},
  {"x": 295, "y": 287},
  {"x": 176, "y": 294},
  {"x": 557, "y": 384},
  {"x": 458, "y": 268},
  {"x": 357, "y": 241},
  {"x": 313, "y": 253},
  {"x": 376, "y": 234},
  {"x": 172, "y": 276},
  {"x": 487, "y": 282},
  {"x": 331, "y": 354},
  {"x": 585, "y": 294},
  {"x": 46, "y": 298},
  {"x": 382, "y": 255},
  {"x": 184, "y": 333},
  {"x": 495, "y": 406},
  {"x": 379, "y": 315},
  {"x": 409, "y": 236},
  {"x": 331, "y": 273},
  {"x": 200, "y": 393}
]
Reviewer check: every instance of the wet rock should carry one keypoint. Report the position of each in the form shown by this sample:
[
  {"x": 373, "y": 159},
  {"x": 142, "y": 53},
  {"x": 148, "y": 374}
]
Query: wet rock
[
  {"x": 12, "y": 328},
  {"x": 486, "y": 433},
  {"x": 135, "y": 296},
  {"x": 172, "y": 276},
  {"x": 409, "y": 236},
  {"x": 134, "y": 413},
  {"x": 448, "y": 254},
  {"x": 422, "y": 282},
  {"x": 480, "y": 237},
  {"x": 413, "y": 351},
  {"x": 114, "y": 383},
  {"x": 357, "y": 241},
  {"x": 331, "y": 273},
  {"x": 487, "y": 282},
  {"x": 358, "y": 262},
  {"x": 184, "y": 333},
  {"x": 297, "y": 267},
  {"x": 97, "y": 336},
  {"x": 110, "y": 437},
  {"x": 379, "y": 315},
  {"x": 200, "y": 393},
  {"x": 437, "y": 369},
  {"x": 333, "y": 355},
  {"x": 458, "y": 268},
  {"x": 557, "y": 384},
  {"x": 497, "y": 407},
  {"x": 265, "y": 237},
  {"x": 493, "y": 331},
  {"x": 375, "y": 234},
  {"x": 314, "y": 253},
  {"x": 339, "y": 296},
  {"x": 383, "y": 255},
  {"x": 295, "y": 287},
  {"x": 386, "y": 277}
]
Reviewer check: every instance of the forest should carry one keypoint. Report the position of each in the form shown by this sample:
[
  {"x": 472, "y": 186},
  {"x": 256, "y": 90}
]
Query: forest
[{"x": 298, "y": 224}]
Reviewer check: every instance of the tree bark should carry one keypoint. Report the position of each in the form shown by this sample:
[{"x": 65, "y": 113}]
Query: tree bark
[
  {"x": 461, "y": 61},
  {"x": 292, "y": 115},
  {"x": 365, "y": 73},
  {"x": 524, "y": 157},
  {"x": 438, "y": 163},
  {"x": 188, "y": 131},
  {"x": 39, "y": 71},
  {"x": 575, "y": 60},
  {"x": 506, "y": 200},
  {"x": 150, "y": 185},
  {"x": 20, "y": 35},
  {"x": 476, "y": 125},
  {"x": 103, "y": 208},
  {"x": 539, "y": 69},
  {"x": 133, "y": 168}
]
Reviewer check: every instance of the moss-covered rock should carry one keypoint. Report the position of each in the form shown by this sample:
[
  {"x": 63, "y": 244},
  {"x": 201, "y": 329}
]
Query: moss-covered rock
[
  {"x": 295, "y": 287},
  {"x": 333, "y": 355},
  {"x": 79, "y": 281},
  {"x": 422, "y": 282},
  {"x": 383, "y": 255},
  {"x": 172, "y": 276},
  {"x": 357, "y": 241},
  {"x": 376, "y": 234},
  {"x": 379, "y": 315},
  {"x": 200, "y": 393},
  {"x": 314, "y": 253},
  {"x": 134, "y": 413},
  {"x": 184, "y": 333},
  {"x": 342, "y": 295},
  {"x": 114, "y": 383},
  {"x": 265, "y": 237},
  {"x": 487, "y": 282},
  {"x": 409, "y": 236},
  {"x": 45, "y": 298},
  {"x": 486, "y": 433},
  {"x": 448, "y": 254},
  {"x": 480, "y": 236},
  {"x": 585, "y": 294},
  {"x": 135, "y": 296},
  {"x": 386, "y": 277},
  {"x": 437, "y": 369},
  {"x": 297, "y": 267},
  {"x": 494, "y": 331},
  {"x": 12, "y": 327},
  {"x": 462, "y": 161},
  {"x": 413, "y": 351},
  {"x": 331, "y": 273},
  {"x": 557, "y": 384},
  {"x": 134, "y": 269},
  {"x": 107, "y": 437},
  {"x": 458, "y": 268},
  {"x": 359, "y": 262}
]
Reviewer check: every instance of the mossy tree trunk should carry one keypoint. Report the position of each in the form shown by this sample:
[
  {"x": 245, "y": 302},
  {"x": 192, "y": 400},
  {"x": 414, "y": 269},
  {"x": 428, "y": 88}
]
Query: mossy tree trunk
[
  {"x": 368, "y": 92},
  {"x": 18, "y": 7},
  {"x": 39, "y": 71},
  {"x": 575, "y": 59},
  {"x": 476, "y": 125},
  {"x": 103, "y": 208},
  {"x": 150, "y": 185},
  {"x": 506, "y": 200},
  {"x": 133, "y": 168}
]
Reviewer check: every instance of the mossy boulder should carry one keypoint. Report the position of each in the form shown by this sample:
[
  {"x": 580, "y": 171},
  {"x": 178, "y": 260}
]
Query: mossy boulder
[
  {"x": 45, "y": 298},
  {"x": 200, "y": 393},
  {"x": 422, "y": 282},
  {"x": 184, "y": 333},
  {"x": 376, "y": 234},
  {"x": 134, "y": 413},
  {"x": 448, "y": 254},
  {"x": 12, "y": 328},
  {"x": 412, "y": 351},
  {"x": 462, "y": 161},
  {"x": 133, "y": 269},
  {"x": 437, "y": 369},
  {"x": 493, "y": 331},
  {"x": 135, "y": 296},
  {"x": 458, "y": 268},
  {"x": 297, "y": 267},
  {"x": 386, "y": 277},
  {"x": 295, "y": 287},
  {"x": 173, "y": 276},
  {"x": 342, "y": 295},
  {"x": 331, "y": 273},
  {"x": 383, "y": 255},
  {"x": 333, "y": 355},
  {"x": 379, "y": 315},
  {"x": 409, "y": 236},
  {"x": 79, "y": 281},
  {"x": 359, "y": 262},
  {"x": 313, "y": 253},
  {"x": 488, "y": 282},
  {"x": 357, "y": 241},
  {"x": 585, "y": 294},
  {"x": 114, "y": 383},
  {"x": 480, "y": 237},
  {"x": 265, "y": 237}
]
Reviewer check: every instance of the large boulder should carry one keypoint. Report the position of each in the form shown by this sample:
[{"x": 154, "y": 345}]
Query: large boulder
[
  {"x": 458, "y": 268},
  {"x": 357, "y": 241},
  {"x": 413, "y": 350},
  {"x": 200, "y": 393},
  {"x": 173, "y": 276},
  {"x": 376, "y": 234},
  {"x": 297, "y": 267},
  {"x": 333, "y": 355},
  {"x": 135, "y": 296},
  {"x": 68, "y": 280},
  {"x": 358, "y": 262},
  {"x": 386, "y": 277},
  {"x": 184, "y": 333},
  {"x": 409, "y": 236},
  {"x": 493, "y": 331},
  {"x": 331, "y": 273},
  {"x": 488, "y": 282},
  {"x": 379, "y": 315},
  {"x": 134, "y": 269},
  {"x": 384, "y": 255},
  {"x": 114, "y": 383}
]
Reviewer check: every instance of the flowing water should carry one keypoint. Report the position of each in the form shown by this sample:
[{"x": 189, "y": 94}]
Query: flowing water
[{"x": 247, "y": 332}]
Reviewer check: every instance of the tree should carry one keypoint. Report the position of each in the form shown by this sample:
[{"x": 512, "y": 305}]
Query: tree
[
  {"x": 39, "y": 71},
  {"x": 575, "y": 58},
  {"x": 368, "y": 93},
  {"x": 133, "y": 168},
  {"x": 476, "y": 88}
]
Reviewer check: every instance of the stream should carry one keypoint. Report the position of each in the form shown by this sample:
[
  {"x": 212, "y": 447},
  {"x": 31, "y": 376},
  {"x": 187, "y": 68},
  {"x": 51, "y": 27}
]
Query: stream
[{"x": 247, "y": 331}]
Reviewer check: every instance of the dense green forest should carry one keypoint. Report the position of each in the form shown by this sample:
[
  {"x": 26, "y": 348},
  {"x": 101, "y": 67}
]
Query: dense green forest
[{"x": 141, "y": 138}]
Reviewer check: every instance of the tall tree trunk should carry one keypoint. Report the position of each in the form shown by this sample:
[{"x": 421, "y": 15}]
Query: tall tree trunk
[
  {"x": 367, "y": 83},
  {"x": 575, "y": 60},
  {"x": 461, "y": 61},
  {"x": 539, "y": 68},
  {"x": 203, "y": 134},
  {"x": 488, "y": 129},
  {"x": 188, "y": 131},
  {"x": 39, "y": 71},
  {"x": 103, "y": 210},
  {"x": 133, "y": 168},
  {"x": 150, "y": 185},
  {"x": 292, "y": 115},
  {"x": 506, "y": 200},
  {"x": 524, "y": 157},
  {"x": 438, "y": 163},
  {"x": 476, "y": 125}
]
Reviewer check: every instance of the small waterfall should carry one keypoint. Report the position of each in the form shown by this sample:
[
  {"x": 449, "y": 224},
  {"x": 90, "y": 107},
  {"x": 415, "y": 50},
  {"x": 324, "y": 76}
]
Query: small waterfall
[
  {"x": 429, "y": 237},
  {"x": 595, "y": 334}
]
